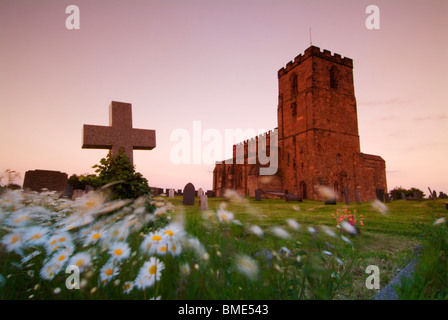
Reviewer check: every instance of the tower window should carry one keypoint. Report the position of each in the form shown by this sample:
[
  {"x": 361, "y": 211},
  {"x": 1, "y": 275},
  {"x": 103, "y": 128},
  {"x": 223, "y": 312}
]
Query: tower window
[
  {"x": 339, "y": 159},
  {"x": 333, "y": 77},
  {"x": 294, "y": 108},
  {"x": 294, "y": 84}
]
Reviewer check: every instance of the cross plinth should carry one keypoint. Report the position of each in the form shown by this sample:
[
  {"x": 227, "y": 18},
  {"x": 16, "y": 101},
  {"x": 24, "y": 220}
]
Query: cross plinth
[{"x": 119, "y": 133}]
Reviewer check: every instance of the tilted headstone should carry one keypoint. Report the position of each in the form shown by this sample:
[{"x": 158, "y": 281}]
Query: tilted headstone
[
  {"x": 36, "y": 180},
  {"x": 189, "y": 192},
  {"x": 257, "y": 195},
  {"x": 204, "y": 202},
  {"x": 357, "y": 197},
  {"x": 347, "y": 201},
  {"x": 171, "y": 193}
]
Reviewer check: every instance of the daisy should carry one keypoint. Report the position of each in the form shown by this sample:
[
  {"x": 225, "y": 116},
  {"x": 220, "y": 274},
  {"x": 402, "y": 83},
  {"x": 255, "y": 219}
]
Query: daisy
[
  {"x": 151, "y": 242},
  {"x": 118, "y": 232},
  {"x": 224, "y": 215},
  {"x": 439, "y": 221},
  {"x": 108, "y": 271},
  {"x": 279, "y": 232},
  {"x": 30, "y": 256},
  {"x": 49, "y": 270},
  {"x": 149, "y": 273},
  {"x": 13, "y": 242},
  {"x": 348, "y": 227},
  {"x": 19, "y": 218},
  {"x": 36, "y": 236},
  {"x": 173, "y": 231},
  {"x": 247, "y": 266},
  {"x": 256, "y": 230},
  {"x": 119, "y": 251},
  {"x": 196, "y": 245},
  {"x": 128, "y": 286},
  {"x": 82, "y": 260},
  {"x": 95, "y": 236},
  {"x": 380, "y": 207},
  {"x": 292, "y": 224}
]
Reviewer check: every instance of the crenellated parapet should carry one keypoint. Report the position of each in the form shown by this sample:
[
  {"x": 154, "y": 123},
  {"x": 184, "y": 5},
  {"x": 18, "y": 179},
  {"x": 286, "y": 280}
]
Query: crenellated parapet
[{"x": 315, "y": 51}]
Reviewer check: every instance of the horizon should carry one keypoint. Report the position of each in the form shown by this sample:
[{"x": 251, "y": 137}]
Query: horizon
[{"x": 216, "y": 62}]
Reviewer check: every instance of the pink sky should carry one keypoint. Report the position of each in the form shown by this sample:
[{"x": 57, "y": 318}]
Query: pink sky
[{"x": 216, "y": 62}]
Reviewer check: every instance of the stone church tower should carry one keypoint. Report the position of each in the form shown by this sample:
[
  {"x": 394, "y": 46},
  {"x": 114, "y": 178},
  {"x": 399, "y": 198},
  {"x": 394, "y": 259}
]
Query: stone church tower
[{"x": 318, "y": 140}]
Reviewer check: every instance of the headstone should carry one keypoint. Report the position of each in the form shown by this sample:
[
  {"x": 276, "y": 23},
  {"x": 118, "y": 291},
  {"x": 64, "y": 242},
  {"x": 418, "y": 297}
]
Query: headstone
[
  {"x": 443, "y": 195},
  {"x": 78, "y": 193},
  {"x": 387, "y": 198},
  {"x": 36, "y": 180},
  {"x": 171, "y": 193},
  {"x": 88, "y": 188},
  {"x": 203, "y": 202},
  {"x": 430, "y": 193},
  {"x": 210, "y": 194},
  {"x": 434, "y": 194},
  {"x": 188, "y": 193},
  {"x": 257, "y": 195},
  {"x": 200, "y": 192},
  {"x": 68, "y": 192},
  {"x": 357, "y": 197},
  {"x": 403, "y": 196},
  {"x": 179, "y": 192},
  {"x": 119, "y": 133},
  {"x": 292, "y": 197},
  {"x": 330, "y": 201},
  {"x": 347, "y": 201}
]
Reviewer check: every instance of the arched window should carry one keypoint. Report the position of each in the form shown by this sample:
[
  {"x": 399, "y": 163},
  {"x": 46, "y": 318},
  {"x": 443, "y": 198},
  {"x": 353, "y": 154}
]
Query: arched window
[
  {"x": 294, "y": 84},
  {"x": 339, "y": 159},
  {"x": 334, "y": 77},
  {"x": 294, "y": 108}
]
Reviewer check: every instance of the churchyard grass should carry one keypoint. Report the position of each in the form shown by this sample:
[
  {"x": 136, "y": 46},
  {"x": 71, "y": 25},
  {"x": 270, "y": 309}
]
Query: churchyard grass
[{"x": 229, "y": 259}]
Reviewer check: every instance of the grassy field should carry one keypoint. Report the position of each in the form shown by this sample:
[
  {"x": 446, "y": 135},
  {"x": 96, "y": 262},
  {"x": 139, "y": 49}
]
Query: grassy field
[{"x": 314, "y": 262}]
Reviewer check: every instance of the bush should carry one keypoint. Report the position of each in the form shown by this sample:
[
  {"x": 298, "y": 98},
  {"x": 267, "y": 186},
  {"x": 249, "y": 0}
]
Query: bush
[
  {"x": 397, "y": 191},
  {"x": 118, "y": 169},
  {"x": 81, "y": 181}
]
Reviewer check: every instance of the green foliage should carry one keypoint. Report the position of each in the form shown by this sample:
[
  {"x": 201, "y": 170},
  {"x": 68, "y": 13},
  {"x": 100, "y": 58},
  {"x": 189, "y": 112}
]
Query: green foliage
[
  {"x": 397, "y": 191},
  {"x": 81, "y": 181},
  {"x": 119, "y": 170},
  {"x": 430, "y": 279}
]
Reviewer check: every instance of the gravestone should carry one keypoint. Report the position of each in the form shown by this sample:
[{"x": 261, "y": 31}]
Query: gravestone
[
  {"x": 36, "y": 180},
  {"x": 292, "y": 197},
  {"x": 357, "y": 197},
  {"x": 434, "y": 194},
  {"x": 203, "y": 200},
  {"x": 347, "y": 201},
  {"x": 403, "y": 196},
  {"x": 188, "y": 193},
  {"x": 68, "y": 192},
  {"x": 88, "y": 188},
  {"x": 171, "y": 193},
  {"x": 257, "y": 195},
  {"x": 179, "y": 192},
  {"x": 387, "y": 198},
  {"x": 119, "y": 133},
  {"x": 78, "y": 193},
  {"x": 330, "y": 201},
  {"x": 200, "y": 192},
  {"x": 210, "y": 194}
]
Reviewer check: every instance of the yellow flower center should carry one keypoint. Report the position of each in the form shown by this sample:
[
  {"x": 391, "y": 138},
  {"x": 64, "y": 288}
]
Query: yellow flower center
[
  {"x": 80, "y": 262},
  {"x": 21, "y": 219},
  {"x": 118, "y": 252},
  {"x": 163, "y": 249},
  {"x": 62, "y": 239},
  {"x": 96, "y": 236},
  {"x": 36, "y": 236},
  {"x": 156, "y": 238},
  {"x": 171, "y": 233},
  {"x": 55, "y": 248},
  {"x": 127, "y": 286},
  {"x": 52, "y": 242},
  {"x": 153, "y": 270},
  {"x": 173, "y": 247},
  {"x": 14, "y": 239},
  {"x": 223, "y": 216},
  {"x": 109, "y": 272},
  {"x": 61, "y": 258}
]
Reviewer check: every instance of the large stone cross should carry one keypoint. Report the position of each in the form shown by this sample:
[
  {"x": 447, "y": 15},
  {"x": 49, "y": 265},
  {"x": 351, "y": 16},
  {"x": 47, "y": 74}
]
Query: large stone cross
[{"x": 119, "y": 133}]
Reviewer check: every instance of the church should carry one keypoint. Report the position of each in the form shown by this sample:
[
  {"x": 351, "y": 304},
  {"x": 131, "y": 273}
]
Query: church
[{"x": 316, "y": 142}]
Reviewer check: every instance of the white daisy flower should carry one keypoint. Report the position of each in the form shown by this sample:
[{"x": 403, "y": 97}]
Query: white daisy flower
[
  {"x": 328, "y": 253},
  {"x": 196, "y": 245},
  {"x": 293, "y": 224},
  {"x": 256, "y": 230},
  {"x": 311, "y": 230},
  {"x": 380, "y": 207},
  {"x": 279, "y": 232},
  {"x": 108, "y": 271},
  {"x": 224, "y": 215},
  {"x": 151, "y": 242},
  {"x": 82, "y": 260},
  {"x": 50, "y": 269},
  {"x": 36, "y": 236},
  {"x": 174, "y": 231},
  {"x": 118, "y": 232},
  {"x": 348, "y": 227},
  {"x": 128, "y": 286},
  {"x": 185, "y": 269},
  {"x": 13, "y": 242},
  {"x": 247, "y": 266},
  {"x": 149, "y": 273},
  {"x": 30, "y": 256},
  {"x": 439, "y": 221},
  {"x": 119, "y": 251},
  {"x": 95, "y": 236},
  {"x": 19, "y": 218},
  {"x": 346, "y": 239}
]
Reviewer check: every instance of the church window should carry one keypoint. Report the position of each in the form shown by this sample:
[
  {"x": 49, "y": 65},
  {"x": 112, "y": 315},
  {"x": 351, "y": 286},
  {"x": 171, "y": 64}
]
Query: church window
[
  {"x": 339, "y": 159},
  {"x": 334, "y": 77},
  {"x": 294, "y": 84},
  {"x": 294, "y": 108}
]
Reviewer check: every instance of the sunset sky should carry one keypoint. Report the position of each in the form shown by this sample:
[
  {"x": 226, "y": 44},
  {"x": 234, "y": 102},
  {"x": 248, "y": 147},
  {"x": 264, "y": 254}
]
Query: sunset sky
[{"x": 216, "y": 61}]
